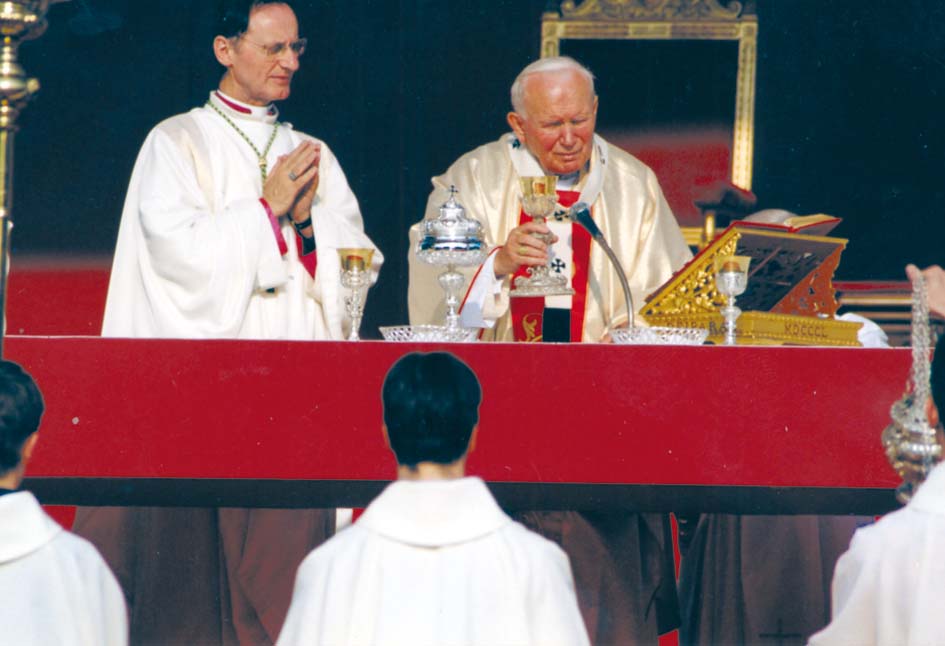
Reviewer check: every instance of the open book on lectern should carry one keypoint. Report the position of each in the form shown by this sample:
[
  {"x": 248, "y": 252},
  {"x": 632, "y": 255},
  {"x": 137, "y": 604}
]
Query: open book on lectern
[{"x": 790, "y": 297}]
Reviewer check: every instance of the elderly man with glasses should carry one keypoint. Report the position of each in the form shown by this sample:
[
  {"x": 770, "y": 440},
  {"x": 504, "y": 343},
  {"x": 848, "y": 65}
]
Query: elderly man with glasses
[{"x": 218, "y": 239}]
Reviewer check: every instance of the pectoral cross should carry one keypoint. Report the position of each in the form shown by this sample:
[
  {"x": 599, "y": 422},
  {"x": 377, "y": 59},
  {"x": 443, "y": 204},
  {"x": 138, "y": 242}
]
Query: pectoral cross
[{"x": 781, "y": 635}]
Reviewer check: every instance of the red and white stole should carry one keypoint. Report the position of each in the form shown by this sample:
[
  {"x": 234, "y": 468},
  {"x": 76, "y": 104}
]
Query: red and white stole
[{"x": 528, "y": 312}]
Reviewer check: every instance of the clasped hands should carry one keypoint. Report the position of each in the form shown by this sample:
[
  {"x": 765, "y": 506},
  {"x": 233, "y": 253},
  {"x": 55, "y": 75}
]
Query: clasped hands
[
  {"x": 291, "y": 186},
  {"x": 525, "y": 246}
]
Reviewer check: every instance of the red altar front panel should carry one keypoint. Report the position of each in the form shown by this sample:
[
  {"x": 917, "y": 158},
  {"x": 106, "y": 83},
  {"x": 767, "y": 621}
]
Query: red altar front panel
[{"x": 275, "y": 423}]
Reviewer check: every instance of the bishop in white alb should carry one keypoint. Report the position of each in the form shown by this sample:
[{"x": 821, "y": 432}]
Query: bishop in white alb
[
  {"x": 197, "y": 254},
  {"x": 201, "y": 256}
]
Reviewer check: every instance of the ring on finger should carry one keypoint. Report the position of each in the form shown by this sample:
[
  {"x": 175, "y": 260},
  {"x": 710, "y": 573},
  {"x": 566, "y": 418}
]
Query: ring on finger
[
  {"x": 292, "y": 175},
  {"x": 521, "y": 250}
]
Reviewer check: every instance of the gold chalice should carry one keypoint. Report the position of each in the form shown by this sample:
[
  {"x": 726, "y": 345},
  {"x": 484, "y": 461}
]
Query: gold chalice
[
  {"x": 538, "y": 201},
  {"x": 355, "y": 276}
]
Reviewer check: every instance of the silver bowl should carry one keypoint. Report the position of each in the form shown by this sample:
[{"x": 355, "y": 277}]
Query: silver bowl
[
  {"x": 659, "y": 336},
  {"x": 429, "y": 334}
]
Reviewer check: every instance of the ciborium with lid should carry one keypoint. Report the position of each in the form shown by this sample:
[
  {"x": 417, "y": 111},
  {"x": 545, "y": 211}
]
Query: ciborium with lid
[{"x": 450, "y": 240}]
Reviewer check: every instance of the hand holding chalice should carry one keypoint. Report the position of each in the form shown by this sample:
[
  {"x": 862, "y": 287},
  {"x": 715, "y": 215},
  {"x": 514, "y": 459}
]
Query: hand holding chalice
[{"x": 539, "y": 198}]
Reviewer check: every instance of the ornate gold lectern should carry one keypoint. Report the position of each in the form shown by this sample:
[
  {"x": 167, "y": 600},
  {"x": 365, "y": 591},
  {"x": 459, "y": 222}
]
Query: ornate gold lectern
[{"x": 790, "y": 297}]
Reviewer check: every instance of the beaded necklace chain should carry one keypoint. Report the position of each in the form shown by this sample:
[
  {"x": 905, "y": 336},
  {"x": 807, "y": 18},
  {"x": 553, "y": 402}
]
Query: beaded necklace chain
[{"x": 261, "y": 156}]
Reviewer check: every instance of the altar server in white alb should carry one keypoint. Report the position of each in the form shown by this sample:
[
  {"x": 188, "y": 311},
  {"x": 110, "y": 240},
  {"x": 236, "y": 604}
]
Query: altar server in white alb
[
  {"x": 230, "y": 230},
  {"x": 888, "y": 587},
  {"x": 54, "y": 586},
  {"x": 434, "y": 560},
  {"x": 623, "y": 565}
]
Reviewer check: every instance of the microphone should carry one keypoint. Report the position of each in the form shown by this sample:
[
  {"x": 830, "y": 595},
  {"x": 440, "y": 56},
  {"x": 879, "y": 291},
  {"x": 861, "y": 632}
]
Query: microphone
[{"x": 580, "y": 213}]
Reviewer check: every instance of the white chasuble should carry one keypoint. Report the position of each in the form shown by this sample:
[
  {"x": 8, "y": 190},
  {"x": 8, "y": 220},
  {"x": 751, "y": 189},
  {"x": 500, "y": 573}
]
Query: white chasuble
[
  {"x": 54, "y": 586},
  {"x": 887, "y": 588},
  {"x": 431, "y": 563}
]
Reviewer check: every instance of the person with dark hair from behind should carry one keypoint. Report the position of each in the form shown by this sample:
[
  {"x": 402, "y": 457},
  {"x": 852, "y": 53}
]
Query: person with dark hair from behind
[
  {"x": 889, "y": 587},
  {"x": 433, "y": 559},
  {"x": 54, "y": 586}
]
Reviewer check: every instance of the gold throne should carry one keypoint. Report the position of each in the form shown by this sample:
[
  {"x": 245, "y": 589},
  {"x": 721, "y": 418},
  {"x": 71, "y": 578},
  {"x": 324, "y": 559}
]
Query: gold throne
[{"x": 677, "y": 86}]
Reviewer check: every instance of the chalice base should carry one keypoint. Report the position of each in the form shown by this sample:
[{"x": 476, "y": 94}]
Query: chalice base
[{"x": 541, "y": 282}]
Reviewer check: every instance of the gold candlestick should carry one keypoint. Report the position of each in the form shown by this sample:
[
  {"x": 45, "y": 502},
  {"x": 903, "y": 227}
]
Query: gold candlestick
[{"x": 20, "y": 20}]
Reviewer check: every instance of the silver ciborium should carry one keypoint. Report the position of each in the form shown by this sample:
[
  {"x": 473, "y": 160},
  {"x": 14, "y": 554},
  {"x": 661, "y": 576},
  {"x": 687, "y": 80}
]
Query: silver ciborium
[
  {"x": 539, "y": 198},
  {"x": 731, "y": 280},
  {"x": 450, "y": 240},
  {"x": 911, "y": 442},
  {"x": 355, "y": 276}
]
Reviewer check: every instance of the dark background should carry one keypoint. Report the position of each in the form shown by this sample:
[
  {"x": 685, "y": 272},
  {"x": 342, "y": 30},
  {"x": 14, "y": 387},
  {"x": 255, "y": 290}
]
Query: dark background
[{"x": 847, "y": 115}]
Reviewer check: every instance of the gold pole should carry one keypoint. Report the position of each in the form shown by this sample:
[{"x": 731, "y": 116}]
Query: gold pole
[{"x": 19, "y": 21}]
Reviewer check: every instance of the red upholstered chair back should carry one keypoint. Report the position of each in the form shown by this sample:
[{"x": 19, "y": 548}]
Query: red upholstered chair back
[
  {"x": 676, "y": 82},
  {"x": 683, "y": 161}
]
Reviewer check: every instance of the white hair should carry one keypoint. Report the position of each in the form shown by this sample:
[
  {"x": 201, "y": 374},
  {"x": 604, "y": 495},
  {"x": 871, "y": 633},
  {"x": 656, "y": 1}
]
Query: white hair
[{"x": 544, "y": 66}]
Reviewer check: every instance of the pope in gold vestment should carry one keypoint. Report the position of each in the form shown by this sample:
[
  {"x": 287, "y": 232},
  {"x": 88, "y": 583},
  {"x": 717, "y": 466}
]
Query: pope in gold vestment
[
  {"x": 622, "y": 562},
  {"x": 629, "y": 208}
]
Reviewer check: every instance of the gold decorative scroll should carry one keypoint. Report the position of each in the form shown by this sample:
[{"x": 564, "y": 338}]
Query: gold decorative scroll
[{"x": 651, "y": 10}]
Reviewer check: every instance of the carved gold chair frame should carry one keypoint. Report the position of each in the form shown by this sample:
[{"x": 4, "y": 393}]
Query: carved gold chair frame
[{"x": 673, "y": 20}]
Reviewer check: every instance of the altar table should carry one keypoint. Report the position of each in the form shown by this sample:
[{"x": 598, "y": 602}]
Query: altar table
[{"x": 776, "y": 430}]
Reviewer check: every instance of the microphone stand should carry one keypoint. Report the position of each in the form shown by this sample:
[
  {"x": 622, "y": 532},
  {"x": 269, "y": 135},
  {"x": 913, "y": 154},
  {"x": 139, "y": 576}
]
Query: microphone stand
[{"x": 581, "y": 214}]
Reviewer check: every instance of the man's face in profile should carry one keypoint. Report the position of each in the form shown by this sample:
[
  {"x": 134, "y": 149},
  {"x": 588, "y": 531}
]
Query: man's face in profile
[
  {"x": 560, "y": 113},
  {"x": 261, "y": 77}
]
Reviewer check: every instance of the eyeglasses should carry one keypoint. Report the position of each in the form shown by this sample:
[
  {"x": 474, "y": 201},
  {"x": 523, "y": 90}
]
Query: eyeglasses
[{"x": 297, "y": 47}]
